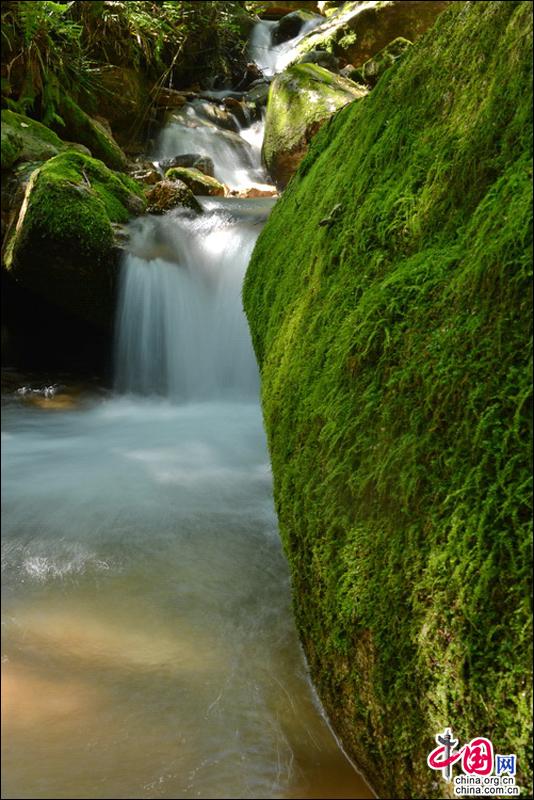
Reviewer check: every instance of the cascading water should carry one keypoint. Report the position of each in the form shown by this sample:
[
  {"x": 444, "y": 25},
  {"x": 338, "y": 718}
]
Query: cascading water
[
  {"x": 181, "y": 329},
  {"x": 270, "y": 58},
  {"x": 236, "y": 153},
  {"x": 149, "y": 649}
]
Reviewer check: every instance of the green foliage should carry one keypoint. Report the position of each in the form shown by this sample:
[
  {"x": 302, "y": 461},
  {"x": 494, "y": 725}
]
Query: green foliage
[
  {"x": 396, "y": 359},
  {"x": 43, "y": 56},
  {"x": 53, "y": 49}
]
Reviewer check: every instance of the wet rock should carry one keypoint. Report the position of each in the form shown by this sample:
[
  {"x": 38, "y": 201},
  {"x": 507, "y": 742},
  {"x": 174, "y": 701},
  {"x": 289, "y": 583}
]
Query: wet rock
[
  {"x": 63, "y": 245},
  {"x": 301, "y": 99},
  {"x": 199, "y": 183},
  {"x": 252, "y": 73},
  {"x": 195, "y": 160},
  {"x": 355, "y": 34},
  {"x": 169, "y": 194},
  {"x": 238, "y": 109},
  {"x": 144, "y": 171},
  {"x": 291, "y": 25},
  {"x": 321, "y": 57},
  {"x": 257, "y": 95},
  {"x": 217, "y": 114},
  {"x": 254, "y": 192},
  {"x": 169, "y": 98}
]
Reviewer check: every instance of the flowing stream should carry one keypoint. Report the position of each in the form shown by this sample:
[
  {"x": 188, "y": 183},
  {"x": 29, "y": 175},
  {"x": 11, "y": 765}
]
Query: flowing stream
[{"x": 149, "y": 649}]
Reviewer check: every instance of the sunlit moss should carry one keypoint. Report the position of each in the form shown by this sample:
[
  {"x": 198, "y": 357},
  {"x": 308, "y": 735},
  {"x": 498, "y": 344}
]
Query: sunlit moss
[{"x": 395, "y": 351}]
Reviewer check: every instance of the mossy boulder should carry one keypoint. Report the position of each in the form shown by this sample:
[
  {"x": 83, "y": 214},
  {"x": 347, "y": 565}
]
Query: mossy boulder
[
  {"x": 24, "y": 139},
  {"x": 80, "y": 127},
  {"x": 389, "y": 300},
  {"x": 374, "y": 68},
  {"x": 355, "y": 34},
  {"x": 62, "y": 247},
  {"x": 197, "y": 181},
  {"x": 168, "y": 194},
  {"x": 301, "y": 99}
]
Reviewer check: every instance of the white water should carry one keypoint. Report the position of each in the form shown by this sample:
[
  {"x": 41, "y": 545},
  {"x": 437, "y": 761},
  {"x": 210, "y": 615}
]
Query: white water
[
  {"x": 273, "y": 59},
  {"x": 236, "y": 154},
  {"x": 181, "y": 329},
  {"x": 149, "y": 649}
]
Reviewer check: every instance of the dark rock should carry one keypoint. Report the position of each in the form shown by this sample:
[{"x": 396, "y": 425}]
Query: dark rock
[
  {"x": 195, "y": 160},
  {"x": 169, "y": 98},
  {"x": 216, "y": 114},
  {"x": 169, "y": 194},
  {"x": 291, "y": 25}
]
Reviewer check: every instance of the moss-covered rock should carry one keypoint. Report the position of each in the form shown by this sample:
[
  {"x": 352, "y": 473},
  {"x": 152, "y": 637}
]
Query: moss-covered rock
[
  {"x": 301, "y": 99},
  {"x": 197, "y": 181},
  {"x": 374, "y": 68},
  {"x": 394, "y": 342},
  {"x": 168, "y": 194},
  {"x": 356, "y": 33},
  {"x": 62, "y": 247},
  {"x": 24, "y": 139},
  {"x": 80, "y": 127}
]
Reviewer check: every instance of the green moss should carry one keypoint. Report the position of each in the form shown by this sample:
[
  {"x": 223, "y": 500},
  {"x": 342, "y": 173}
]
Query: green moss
[
  {"x": 63, "y": 245},
  {"x": 300, "y": 100},
  {"x": 197, "y": 181},
  {"x": 11, "y": 147},
  {"x": 375, "y": 67},
  {"x": 395, "y": 351},
  {"x": 24, "y": 139},
  {"x": 82, "y": 128}
]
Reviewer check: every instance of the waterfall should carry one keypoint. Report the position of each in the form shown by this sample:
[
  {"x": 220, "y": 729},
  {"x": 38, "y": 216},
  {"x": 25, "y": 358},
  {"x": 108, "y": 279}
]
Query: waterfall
[
  {"x": 270, "y": 58},
  {"x": 181, "y": 330}
]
